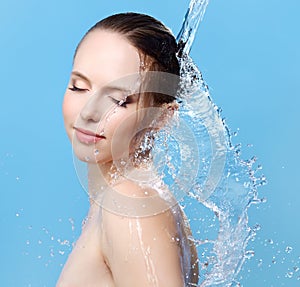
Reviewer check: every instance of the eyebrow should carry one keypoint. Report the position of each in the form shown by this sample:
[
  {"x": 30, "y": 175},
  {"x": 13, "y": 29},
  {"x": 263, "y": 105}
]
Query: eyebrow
[
  {"x": 105, "y": 88},
  {"x": 116, "y": 88},
  {"x": 82, "y": 76}
]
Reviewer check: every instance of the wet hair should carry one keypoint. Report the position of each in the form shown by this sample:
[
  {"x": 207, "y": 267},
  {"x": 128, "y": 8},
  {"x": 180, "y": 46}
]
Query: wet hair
[{"x": 155, "y": 43}]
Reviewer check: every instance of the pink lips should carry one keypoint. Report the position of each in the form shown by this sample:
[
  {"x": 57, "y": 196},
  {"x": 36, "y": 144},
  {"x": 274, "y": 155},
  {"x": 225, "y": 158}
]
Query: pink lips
[{"x": 87, "y": 137}]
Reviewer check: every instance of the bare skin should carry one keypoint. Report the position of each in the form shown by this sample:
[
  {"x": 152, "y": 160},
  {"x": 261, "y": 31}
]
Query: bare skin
[
  {"x": 118, "y": 251},
  {"x": 113, "y": 249}
]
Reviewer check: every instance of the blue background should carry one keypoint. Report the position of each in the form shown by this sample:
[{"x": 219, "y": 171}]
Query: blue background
[{"x": 249, "y": 54}]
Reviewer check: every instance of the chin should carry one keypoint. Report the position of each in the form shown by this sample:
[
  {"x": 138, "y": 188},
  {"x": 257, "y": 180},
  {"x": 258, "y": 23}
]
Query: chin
[
  {"x": 86, "y": 154},
  {"x": 83, "y": 152},
  {"x": 84, "y": 157}
]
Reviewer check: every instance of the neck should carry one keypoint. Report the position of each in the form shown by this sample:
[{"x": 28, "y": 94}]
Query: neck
[
  {"x": 98, "y": 179},
  {"x": 101, "y": 177},
  {"x": 104, "y": 178}
]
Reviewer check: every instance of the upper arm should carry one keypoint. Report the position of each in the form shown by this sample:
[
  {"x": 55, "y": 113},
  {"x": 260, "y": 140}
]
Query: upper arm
[{"x": 143, "y": 251}]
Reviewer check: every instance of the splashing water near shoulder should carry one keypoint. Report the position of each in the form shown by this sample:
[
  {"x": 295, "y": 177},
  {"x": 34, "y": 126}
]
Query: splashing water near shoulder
[{"x": 225, "y": 185}]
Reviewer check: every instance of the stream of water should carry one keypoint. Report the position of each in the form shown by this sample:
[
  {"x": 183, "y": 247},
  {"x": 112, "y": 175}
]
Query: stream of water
[{"x": 226, "y": 185}]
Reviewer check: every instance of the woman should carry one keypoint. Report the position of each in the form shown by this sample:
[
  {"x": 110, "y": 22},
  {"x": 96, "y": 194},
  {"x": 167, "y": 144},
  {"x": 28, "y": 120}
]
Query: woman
[{"x": 112, "y": 109}]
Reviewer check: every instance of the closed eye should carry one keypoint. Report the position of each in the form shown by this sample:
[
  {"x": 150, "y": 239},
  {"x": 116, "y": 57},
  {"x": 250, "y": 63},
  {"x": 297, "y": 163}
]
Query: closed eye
[
  {"x": 121, "y": 103},
  {"x": 76, "y": 89}
]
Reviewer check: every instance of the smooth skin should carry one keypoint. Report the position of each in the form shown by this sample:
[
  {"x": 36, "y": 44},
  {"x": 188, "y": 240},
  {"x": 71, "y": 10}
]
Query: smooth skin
[{"x": 113, "y": 249}]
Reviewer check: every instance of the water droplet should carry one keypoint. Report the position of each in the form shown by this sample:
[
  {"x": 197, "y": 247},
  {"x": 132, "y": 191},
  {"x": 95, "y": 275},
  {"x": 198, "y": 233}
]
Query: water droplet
[
  {"x": 256, "y": 227},
  {"x": 96, "y": 152},
  {"x": 87, "y": 158},
  {"x": 288, "y": 249},
  {"x": 84, "y": 221},
  {"x": 65, "y": 242},
  {"x": 263, "y": 200},
  {"x": 246, "y": 184},
  {"x": 17, "y": 178},
  {"x": 45, "y": 230},
  {"x": 289, "y": 274},
  {"x": 51, "y": 252},
  {"x": 249, "y": 254},
  {"x": 17, "y": 214},
  {"x": 71, "y": 220}
]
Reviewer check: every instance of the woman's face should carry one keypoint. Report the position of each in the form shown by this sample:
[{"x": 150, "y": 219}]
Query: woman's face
[{"x": 98, "y": 122}]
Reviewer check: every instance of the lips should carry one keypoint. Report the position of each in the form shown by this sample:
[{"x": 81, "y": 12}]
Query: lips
[{"x": 87, "y": 137}]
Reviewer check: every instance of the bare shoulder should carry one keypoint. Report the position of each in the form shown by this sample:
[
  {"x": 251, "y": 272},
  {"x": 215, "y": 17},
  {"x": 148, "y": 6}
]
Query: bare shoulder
[
  {"x": 159, "y": 213},
  {"x": 144, "y": 246},
  {"x": 130, "y": 199}
]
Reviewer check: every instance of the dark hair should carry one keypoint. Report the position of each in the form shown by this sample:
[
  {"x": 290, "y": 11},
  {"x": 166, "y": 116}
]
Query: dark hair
[{"x": 155, "y": 42}]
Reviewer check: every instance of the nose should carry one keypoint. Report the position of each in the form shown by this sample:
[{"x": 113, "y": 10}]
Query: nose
[{"x": 93, "y": 110}]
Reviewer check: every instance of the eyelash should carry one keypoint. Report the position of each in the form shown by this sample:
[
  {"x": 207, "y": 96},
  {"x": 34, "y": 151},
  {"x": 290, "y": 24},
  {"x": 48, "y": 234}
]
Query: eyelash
[
  {"x": 75, "y": 89},
  {"x": 124, "y": 103}
]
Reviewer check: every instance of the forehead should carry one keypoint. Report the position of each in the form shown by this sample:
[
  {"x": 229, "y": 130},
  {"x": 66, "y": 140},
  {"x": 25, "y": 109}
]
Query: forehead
[{"x": 105, "y": 57}]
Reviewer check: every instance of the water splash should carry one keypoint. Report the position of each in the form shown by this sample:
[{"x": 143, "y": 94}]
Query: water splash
[
  {"x": 223, "y": 255},
  {"x": 235, "y": 189}
]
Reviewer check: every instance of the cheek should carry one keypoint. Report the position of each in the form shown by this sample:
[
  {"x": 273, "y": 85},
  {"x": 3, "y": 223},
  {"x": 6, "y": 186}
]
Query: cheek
[
  {"x": 127, "y": 125},
  {"x": 70, "y": 109},
  {"x": 122, "y": 129}
]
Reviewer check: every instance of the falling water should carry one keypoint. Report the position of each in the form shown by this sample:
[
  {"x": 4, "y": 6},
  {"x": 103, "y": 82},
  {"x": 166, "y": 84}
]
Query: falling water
[
  {"x": 190, "y": 25},
  {"x": 226, "y": 185}
]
